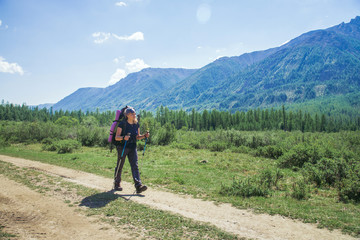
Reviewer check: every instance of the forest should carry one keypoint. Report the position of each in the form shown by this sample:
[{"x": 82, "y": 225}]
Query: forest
[{"x": 252, "y": 120}]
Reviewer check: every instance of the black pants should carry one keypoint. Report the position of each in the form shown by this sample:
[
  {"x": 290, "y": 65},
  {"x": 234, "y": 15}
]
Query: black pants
[{"x": 131, "y": 153}]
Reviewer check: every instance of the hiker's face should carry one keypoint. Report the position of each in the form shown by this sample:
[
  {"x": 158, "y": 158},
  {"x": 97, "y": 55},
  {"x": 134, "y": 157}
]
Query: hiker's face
[{"x": 131, "y": 116}]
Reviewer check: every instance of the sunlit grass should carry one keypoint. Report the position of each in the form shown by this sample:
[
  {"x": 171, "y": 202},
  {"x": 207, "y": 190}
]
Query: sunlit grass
[{"x": 202, "y": 173}]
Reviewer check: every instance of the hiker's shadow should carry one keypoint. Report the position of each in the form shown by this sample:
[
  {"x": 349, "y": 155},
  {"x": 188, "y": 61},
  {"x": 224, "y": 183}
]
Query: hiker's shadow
[{"x": 100, "y": 200}]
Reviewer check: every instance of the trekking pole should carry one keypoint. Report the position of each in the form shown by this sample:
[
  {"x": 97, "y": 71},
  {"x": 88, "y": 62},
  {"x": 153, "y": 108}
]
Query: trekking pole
[
  {"x": 145, "y": 144},
  {"x": 117, "y": 167}
]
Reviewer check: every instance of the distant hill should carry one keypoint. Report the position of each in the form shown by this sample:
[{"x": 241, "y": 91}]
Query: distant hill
[
  {"x": 316, "y": 64},
  {"x": 131, "y": 90},
  {"x": 319, "y": 64}
]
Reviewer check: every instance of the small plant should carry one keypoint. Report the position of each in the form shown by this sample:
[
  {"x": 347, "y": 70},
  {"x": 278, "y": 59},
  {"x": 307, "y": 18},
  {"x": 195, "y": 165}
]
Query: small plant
[
  {"x": 217, "y": 146},
  {"x": 67, "y": 146},
  {"x": 300, "y": 190},
  {"x": 270, "y": 151},
  {"x": 48, "y": 144},
  {"x": 3, "y": 143},
  {"x": 248, "y": 187},
  {"x": 349, "y": 188}
]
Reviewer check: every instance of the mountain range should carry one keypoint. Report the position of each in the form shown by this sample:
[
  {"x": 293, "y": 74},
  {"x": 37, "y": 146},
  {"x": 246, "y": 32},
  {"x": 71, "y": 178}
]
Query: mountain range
[{"x": 318, "y": 64}]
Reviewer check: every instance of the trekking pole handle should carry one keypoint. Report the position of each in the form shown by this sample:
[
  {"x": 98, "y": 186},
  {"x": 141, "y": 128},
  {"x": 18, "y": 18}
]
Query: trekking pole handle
[{"x": 127, "y": 135}]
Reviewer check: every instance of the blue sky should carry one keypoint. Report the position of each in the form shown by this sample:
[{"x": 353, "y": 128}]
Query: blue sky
[{"x": 50, "y": 48}]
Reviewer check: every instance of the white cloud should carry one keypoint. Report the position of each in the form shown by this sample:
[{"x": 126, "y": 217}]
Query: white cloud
[
  {"x": 0, "y": 22},
  {"x": 118, "y": 60},
  {"x": 101, "y": 37},
  {"x": 117, "y": 76},
  {"x": 121, "y": 4},
  {"x": 138, "y": 36},
  {"x": 10, "y": 67},
  {"x": 134, "y": 65}
]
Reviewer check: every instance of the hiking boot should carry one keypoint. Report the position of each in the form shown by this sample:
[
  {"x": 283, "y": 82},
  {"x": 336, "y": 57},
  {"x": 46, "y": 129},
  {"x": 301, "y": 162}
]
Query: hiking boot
[
  {"x": 117, "y": 187},
  {"x": 141, "y": 188}
]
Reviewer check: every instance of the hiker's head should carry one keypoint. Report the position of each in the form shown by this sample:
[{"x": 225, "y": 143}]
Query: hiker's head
[{"x": 131, "y": 114}]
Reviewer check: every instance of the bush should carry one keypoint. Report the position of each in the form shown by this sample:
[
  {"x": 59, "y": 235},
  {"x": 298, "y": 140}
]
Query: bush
[
  {"x": 270, "y": 151},
  {"x": 61, "y": 146},
  {"x": 270, "y": 179},
  {"x": 3, "y": 143},
  {"x": 326, "y": 171},
  {"x": 22, "y": 132},
  {"x": 217, "y": 146},
  {"x": 48, "y": 144},
  {"x": 241, "y": 149},
  {"x": 91, "y": 136},
  {"x": 67, "y": 121},
  {"x": 248, "y": 187},
  {"x": 67, "y": 146},
  {"x": 299, "y": 155},
  {"x": 256, "y": 142},
  {"x": 259, "y": 185},
  {"x": 349, "y": 188},
  {"x": 165, "y": 135},
  {"x": 300, "y": 190},
  {"x": 237, "y": 139}
]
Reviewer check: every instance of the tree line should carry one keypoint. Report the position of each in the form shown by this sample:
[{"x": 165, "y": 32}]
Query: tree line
[
  {"x": 207, "y": 120},
  {"x": 256, "y": 120}
]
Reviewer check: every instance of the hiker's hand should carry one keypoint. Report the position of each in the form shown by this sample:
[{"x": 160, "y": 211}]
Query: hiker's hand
[{"x": 126, "y": 138}]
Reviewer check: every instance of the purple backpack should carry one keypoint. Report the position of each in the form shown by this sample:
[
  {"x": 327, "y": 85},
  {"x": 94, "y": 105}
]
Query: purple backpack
[{"x": 120, "y": 115}]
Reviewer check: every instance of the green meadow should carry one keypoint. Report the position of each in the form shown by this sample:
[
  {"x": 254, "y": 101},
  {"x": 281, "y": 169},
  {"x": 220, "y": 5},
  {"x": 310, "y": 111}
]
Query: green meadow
[{"x": 313, "y": 177}]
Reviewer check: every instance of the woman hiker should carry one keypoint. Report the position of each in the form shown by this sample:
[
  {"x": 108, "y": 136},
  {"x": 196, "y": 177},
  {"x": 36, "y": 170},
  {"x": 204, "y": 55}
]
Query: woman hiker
[{"x": 129, "y": 131}]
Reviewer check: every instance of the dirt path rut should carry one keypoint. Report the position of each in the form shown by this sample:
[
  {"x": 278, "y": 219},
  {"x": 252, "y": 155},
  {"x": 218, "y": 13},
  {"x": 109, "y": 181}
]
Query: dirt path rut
[
  {"x": 31, "y": 215},
  {"x": 243, "y": 223}
]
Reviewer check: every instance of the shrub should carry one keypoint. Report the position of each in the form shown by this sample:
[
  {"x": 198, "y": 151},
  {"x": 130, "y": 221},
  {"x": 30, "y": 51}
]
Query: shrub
[
  {"x": 67, "y": 121},
  {"x": 48, "y": 144},
  {"x": 165, "y": 135},
  {"x": 326, "y": 171},
  {"x": 349, "y": 188},
  {"x": 258, "y": 185},
  {"x": 270, "y": 151},
  {"x": 241, "y": 149},
  {"x": 217, "y": 146},
  {"x": 256, "y": 142},
  {"x": 91, "y": 136},
  {"x": 237, "y": 139},
  {"x": 67, "y": 146},
  {"x": 299, "y": 155},
  {"x": 195, "y": 145},
  {"x": 3, "y": 143},
  {"x": 300, "y": 190},
  {"x": 270, "y": 179}
]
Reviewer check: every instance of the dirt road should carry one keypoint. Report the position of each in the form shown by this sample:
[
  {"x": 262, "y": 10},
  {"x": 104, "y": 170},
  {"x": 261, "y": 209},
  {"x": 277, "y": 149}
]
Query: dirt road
[
  {"x": 31, "y": 215},
  {"x": 243, "y": 223}
]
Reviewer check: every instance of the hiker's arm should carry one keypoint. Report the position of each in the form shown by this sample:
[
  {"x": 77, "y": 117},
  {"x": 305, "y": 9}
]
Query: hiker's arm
[
  {"x": 118, "y": 136},
  {"x": 139, "y": 136}
]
